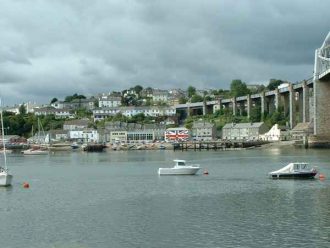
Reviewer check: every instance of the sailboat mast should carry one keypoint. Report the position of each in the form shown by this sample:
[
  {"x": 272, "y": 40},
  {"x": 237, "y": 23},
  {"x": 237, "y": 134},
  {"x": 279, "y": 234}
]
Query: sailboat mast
[{"x": 3, "y": 137}]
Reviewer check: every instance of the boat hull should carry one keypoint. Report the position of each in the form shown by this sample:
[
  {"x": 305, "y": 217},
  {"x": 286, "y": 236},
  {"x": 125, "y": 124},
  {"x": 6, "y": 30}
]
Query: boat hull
[
  {"x": 5, "y": 179},
  {"x": 178, "y": 171},
  {"x": 60, "y": 148},
  {"x": 35, "y": 152},
  {"x": 301, "y": 175}
]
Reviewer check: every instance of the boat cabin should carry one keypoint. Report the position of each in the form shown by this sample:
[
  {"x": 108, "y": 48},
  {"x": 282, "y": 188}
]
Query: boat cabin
[
  {"x": 180, "y": 162},
  {"x": 300, "y": 166}
]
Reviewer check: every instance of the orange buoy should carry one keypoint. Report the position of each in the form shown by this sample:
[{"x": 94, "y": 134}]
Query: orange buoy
[
  {"x": 205, "y": 172},
  {"x": 26, "y": 185},
  {"x": 321, "y": 177}
]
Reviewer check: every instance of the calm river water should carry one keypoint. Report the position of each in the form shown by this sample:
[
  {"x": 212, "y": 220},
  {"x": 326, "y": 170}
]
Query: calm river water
[{"x": 116, "y": 199}]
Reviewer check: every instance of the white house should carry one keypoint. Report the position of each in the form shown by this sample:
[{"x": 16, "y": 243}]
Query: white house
[
  {"x": 244, "y": 131},
  {"x": 86, "y": 135},
  {"x": 58, "y": 113},
  {"x": 160, "y": 95},
  {"x": 276, "y": 133},
  {"x": 202, "y": 130},
  {"x": 109, "y": 101},
  {"x": 154, "y": 111}
]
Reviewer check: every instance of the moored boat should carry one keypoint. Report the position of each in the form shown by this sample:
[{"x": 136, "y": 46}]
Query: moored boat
[
  {"x": 180, "y": 168},
  {"x": 296, "y": 170},
  {"x": 5, "y": 176},
  {"x": 36, "y": 150},
  {"x": 94, "y": 148},
  {"x": 60, "y": 147}
]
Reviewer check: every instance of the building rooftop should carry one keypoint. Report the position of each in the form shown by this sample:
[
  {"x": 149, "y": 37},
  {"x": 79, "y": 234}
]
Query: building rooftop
[{"x": 243, "y": 125}]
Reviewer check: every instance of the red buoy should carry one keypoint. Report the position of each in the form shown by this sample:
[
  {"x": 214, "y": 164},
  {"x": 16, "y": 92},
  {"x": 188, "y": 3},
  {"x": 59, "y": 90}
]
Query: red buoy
[
  {"x": 205, "y": 172},
  {"x": 26, "y": 185},
  {"x": 321, "y": 177}
]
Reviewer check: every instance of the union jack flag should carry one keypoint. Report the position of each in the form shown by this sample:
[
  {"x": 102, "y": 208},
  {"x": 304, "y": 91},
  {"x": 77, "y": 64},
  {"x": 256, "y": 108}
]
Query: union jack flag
[{"x": 177, "y": 135}]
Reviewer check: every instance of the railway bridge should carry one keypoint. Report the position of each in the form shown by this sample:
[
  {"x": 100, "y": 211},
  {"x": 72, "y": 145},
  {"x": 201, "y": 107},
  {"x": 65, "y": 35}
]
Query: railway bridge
[{"x": 306, "y": 101}]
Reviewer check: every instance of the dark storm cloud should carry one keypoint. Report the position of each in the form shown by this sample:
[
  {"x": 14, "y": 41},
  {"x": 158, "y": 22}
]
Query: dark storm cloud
[{"x": 57, "y": 48}]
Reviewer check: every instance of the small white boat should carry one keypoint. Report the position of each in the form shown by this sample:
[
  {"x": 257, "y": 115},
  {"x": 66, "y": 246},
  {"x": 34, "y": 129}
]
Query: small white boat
[
  {"x": 5, "y": 177},
  {"x": 180, "y": 168},
  {"x": 294, "y": 171},
  {"x": 74, "y": 145}
]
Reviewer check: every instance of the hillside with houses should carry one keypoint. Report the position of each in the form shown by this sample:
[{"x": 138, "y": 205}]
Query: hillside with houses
[{"x": 145, "y": 115}]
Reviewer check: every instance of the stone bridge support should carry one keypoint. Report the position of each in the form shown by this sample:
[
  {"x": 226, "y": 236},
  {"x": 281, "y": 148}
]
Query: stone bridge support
[
  {"x": 234, "y": 104},
  {"x": 248, "y": 106},
  {"x": 292, "y": 107},
  {"x": 321, "y": 87}
]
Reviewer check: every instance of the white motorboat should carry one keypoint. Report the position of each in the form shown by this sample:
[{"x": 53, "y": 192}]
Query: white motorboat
[
  {"x": 295, "y": 171},
  {"x": 5, "y": 177},
  {"x": 180, "y": 168}
]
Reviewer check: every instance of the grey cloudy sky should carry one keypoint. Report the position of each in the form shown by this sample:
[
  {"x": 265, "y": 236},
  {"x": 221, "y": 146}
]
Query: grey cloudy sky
[{"x": 57, "y": 48}]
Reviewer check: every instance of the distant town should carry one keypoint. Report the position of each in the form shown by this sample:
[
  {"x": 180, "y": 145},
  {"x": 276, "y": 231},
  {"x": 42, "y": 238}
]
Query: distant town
[{"x": 151, "y": 115}]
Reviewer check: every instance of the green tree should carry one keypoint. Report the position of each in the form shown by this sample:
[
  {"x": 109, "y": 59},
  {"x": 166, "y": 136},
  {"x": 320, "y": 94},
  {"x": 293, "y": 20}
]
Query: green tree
[
  {"x": 73, "y": 97},
  {"x": 182, "y": 100},
  {"x": 83, "y": 113},
  {"x": 255, "y": 114},
  {"x": 273, "y": 84},
  {"x": 196, "y": 98},
  {"x": 238, "y": 88},
  {"x": 22, "y": 109},
  {"x": 191, "y": 91},
  {"x": 138, "y": 89},
  {"x": 53, "y": 100},
  {"x": 139, "y": 118}
]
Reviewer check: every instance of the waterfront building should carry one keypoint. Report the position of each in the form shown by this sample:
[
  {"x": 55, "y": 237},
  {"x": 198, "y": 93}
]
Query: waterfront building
[
  {"x": 84, "y": 136},
  {"x": 115, "y": 132},
  {"x": 244, "y": 131},
  {"x": 176, "y": 134},
  {"x": 56, "y": 135},
  {"x": 276, "y": 133},
  {"x": 202, "y": 130},
  {"x": 119, "y": 136},
  {"x": 140, "y": 136},
  {"x": 301, "y": 130}
]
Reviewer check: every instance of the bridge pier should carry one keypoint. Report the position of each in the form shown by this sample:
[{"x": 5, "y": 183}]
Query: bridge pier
[
  {"x": 321, "y": 87},
  {"x": 249, "y": 106},
  {"x": 305, "y": 103},
  {"x": 234, "y": 104},
  {"x": 263, "y": 106},
  {"x": 292, "y": 107}
]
